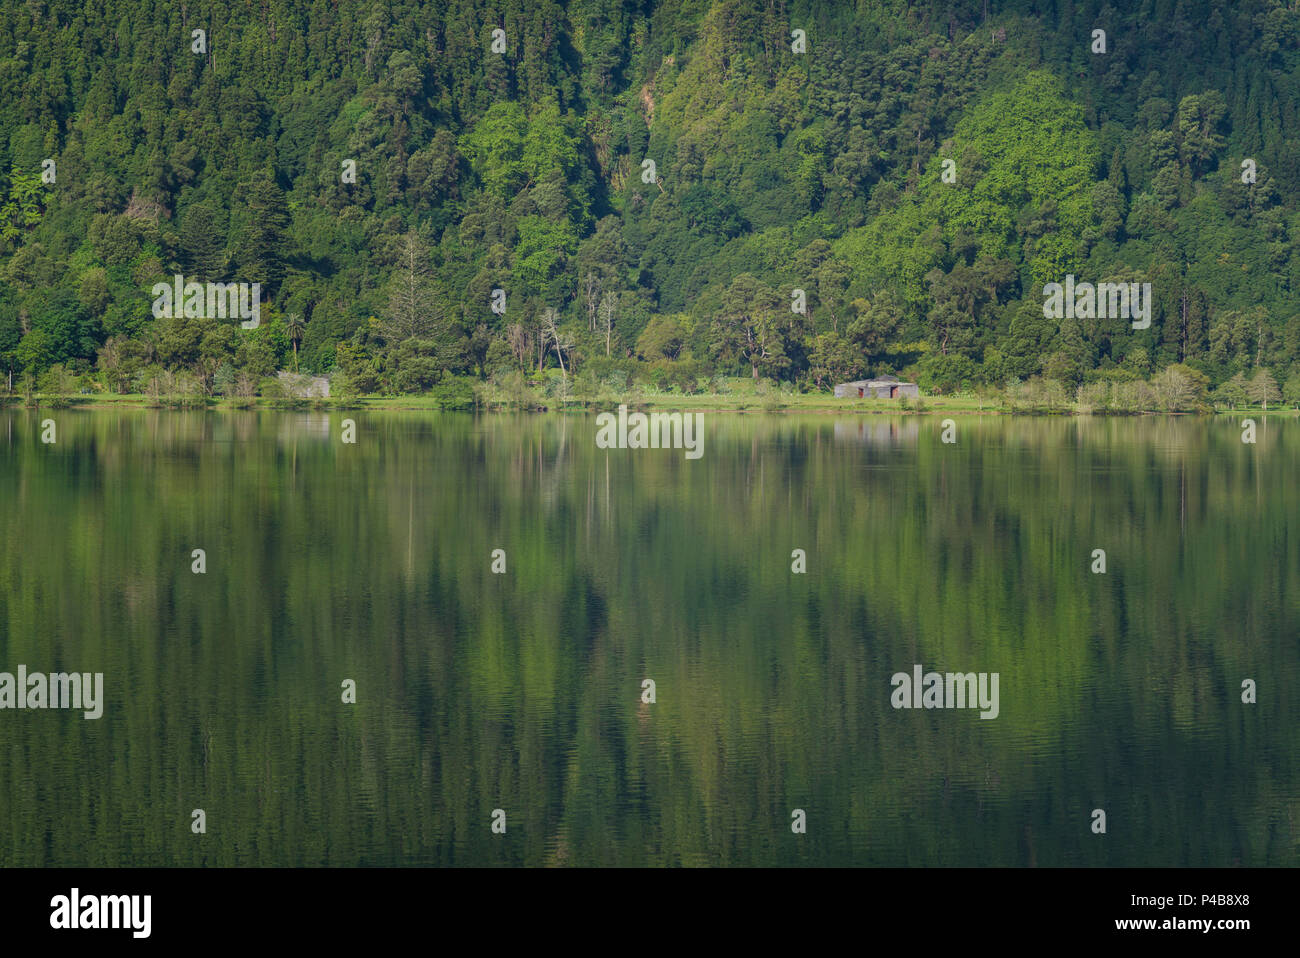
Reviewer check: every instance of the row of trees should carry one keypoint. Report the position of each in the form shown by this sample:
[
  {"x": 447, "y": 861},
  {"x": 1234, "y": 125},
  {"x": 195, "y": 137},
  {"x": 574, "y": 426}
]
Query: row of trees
[{"x": 1176, "y": 388}]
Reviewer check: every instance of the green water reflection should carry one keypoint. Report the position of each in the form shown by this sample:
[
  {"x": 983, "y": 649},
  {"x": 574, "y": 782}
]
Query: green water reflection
[{"x": 522, "y": 691}]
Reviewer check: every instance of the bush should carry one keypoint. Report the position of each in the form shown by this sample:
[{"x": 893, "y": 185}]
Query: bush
[
  {"x": 223, "y": 383},
  {"x": 1291, "y": 391},
  {"x": 342, "y": 388},
  {"x": 1038, "y": 394},
  {"x": 454, "y": 392},
  {"x": 937, "y": 373},
  {"x": 1175, "y": 390},
  {"x": 1093, "y": 397},
  {"x": 1233, "y": 392},
  {"x": 57, "y": 381},
  {"x": 509, "y": 389},
  {"x": 1134, "y": 396}
]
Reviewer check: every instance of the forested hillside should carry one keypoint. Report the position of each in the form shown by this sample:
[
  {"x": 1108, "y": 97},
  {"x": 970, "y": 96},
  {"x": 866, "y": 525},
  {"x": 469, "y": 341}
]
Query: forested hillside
[{"x": 665, "y": 176}]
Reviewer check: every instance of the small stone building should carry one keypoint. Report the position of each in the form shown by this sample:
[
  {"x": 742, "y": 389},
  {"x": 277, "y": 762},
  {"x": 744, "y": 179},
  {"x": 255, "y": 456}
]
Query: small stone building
[{"x": 886, "y": 387}]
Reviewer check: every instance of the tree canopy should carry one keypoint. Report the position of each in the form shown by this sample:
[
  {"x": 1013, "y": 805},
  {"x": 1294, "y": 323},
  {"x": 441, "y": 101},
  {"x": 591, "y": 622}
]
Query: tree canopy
[{"x": 666, "y": 176}]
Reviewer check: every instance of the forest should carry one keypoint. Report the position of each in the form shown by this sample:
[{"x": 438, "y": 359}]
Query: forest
[{"x": 465, "y": 199}]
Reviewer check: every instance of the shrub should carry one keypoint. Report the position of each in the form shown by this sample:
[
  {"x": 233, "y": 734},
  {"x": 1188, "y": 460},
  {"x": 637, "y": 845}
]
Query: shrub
[
  {"x": 1093, "y": 397},
  {"x": 454, "y": 392}
]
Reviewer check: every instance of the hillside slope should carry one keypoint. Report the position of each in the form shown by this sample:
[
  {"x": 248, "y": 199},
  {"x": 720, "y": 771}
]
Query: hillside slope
[{"x": 664, "y": 175}]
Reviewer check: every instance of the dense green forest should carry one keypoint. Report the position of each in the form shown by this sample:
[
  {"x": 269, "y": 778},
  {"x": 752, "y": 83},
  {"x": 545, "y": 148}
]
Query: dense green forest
[{"x": 653, "y": 187}]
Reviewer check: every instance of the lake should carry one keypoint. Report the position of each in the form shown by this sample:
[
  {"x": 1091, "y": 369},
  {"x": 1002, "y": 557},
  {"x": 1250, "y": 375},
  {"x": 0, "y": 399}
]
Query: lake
[{"x": 520, "y": 693}]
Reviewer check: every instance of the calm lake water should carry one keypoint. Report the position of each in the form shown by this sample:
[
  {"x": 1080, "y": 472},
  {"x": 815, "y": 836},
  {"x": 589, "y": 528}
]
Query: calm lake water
[{"x": 522, "y": 691}]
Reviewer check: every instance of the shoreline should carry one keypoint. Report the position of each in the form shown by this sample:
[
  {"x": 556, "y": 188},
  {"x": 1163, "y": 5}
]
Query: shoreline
[{"x": 927, "y": 406}]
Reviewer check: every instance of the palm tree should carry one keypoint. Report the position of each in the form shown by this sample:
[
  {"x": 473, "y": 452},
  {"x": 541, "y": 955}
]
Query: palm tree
[{"x": 293, "y": 325}]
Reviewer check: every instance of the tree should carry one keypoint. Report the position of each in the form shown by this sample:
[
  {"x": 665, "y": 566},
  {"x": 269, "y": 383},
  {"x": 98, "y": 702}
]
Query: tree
[
  {"x": 294, "y": 328},
  {"x": 20, "y": 210},
  {"x": 177, "y": 339},
  {"x": 1262, "y": 388},
  {"x": 36, "y": 351},
  {"x": 412, "y": 310},
  {"x": 551, "y": 332},
  {"x": 1291, "y": 391},
  {"x": 608, "y": 303},
  {"x": 264, "y": 242},
  {"x": 952, "y": 328},
  {"x": 591, "y": 298},
  {"x": 833, "y": 278},
  {"x": 875, "y": 324},
  {"x": 747, "y": 328},
  {"x": 1175, "y": 391},
  {"x": 121, "y": 360},
  {"x": 1199, "y": 118},
  {"x": 495, "y": 149},
  {"x": 521, "y": 344},
  {"x": 832, "y": 360},
  {"x": 1233, "y": 392},
  {"x": 662, "y": 338},
  {"x": 217, "y": 347},
  {"x": 203, "y": 244}
]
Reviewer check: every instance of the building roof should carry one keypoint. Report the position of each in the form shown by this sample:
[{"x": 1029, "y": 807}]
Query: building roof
[{"x": 882, "y": 381}]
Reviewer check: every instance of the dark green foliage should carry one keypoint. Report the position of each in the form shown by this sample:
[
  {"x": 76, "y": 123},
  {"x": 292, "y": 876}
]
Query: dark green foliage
[{"x": 526, "y": 171}]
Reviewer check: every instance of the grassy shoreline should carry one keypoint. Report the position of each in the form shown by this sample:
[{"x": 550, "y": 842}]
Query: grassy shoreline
[{"x": 702, "y": 402}]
